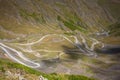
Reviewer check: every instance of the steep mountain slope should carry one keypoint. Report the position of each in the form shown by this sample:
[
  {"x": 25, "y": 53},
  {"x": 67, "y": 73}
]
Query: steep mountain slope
[
  {"x": 112, "y": 6},
  {"x": 62, "y": 36},
  {"x": 25, "y": 17}
]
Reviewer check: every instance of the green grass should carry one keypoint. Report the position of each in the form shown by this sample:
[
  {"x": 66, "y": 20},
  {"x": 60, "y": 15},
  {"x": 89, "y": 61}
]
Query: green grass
[
  {"x": 6, "y": 64},
  {"x": 27, "y": 15},
  {"x": 115, "y": 29},
  {"x": 72, "y": 24}
]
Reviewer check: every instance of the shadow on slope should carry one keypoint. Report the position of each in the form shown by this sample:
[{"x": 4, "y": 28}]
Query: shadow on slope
[{"x": 110, "y": 50}]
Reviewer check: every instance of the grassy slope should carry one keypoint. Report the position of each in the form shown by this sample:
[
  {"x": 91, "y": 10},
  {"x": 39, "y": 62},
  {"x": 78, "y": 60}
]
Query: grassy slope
[
  {"x": 25, "y": 27},
  {"x": 6, "y": 65},
  {"x": 112, "y": 6},
  {"x": 115, "y": 29},
  {"x": 31, "y": 17}
]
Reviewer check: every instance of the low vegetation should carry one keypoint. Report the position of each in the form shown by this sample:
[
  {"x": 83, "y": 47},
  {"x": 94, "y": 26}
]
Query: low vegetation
[
  {"x": 6, "y": 65},
  {"x": 27, "y": 15},
  {"x": 113, "y": 6},
  {"x": 72, "y": 23},
  {"x": 115, "y": 29}
]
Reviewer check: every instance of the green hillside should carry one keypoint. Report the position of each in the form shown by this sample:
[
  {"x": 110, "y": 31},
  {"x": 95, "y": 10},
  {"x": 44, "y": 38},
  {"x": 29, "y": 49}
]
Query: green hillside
[{"x": 31, "y": 74}]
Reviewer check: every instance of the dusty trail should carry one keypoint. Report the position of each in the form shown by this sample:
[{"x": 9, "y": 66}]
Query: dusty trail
[{"x": 74, "y": 43}]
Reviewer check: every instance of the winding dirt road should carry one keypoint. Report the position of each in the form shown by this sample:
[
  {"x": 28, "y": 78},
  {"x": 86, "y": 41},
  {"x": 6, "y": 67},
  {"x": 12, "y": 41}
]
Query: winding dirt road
[
  {"x": 20, "y": 58},
  {"x": 25, "y": 61}
]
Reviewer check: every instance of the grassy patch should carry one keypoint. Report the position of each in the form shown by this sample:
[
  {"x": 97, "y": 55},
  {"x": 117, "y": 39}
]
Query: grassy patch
[
  {"x": 115, "y": 29},
  {"x": 6, "y": 64},
  {"x": 27, "y": 15},
  {"x": 72, "y": 24}
]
